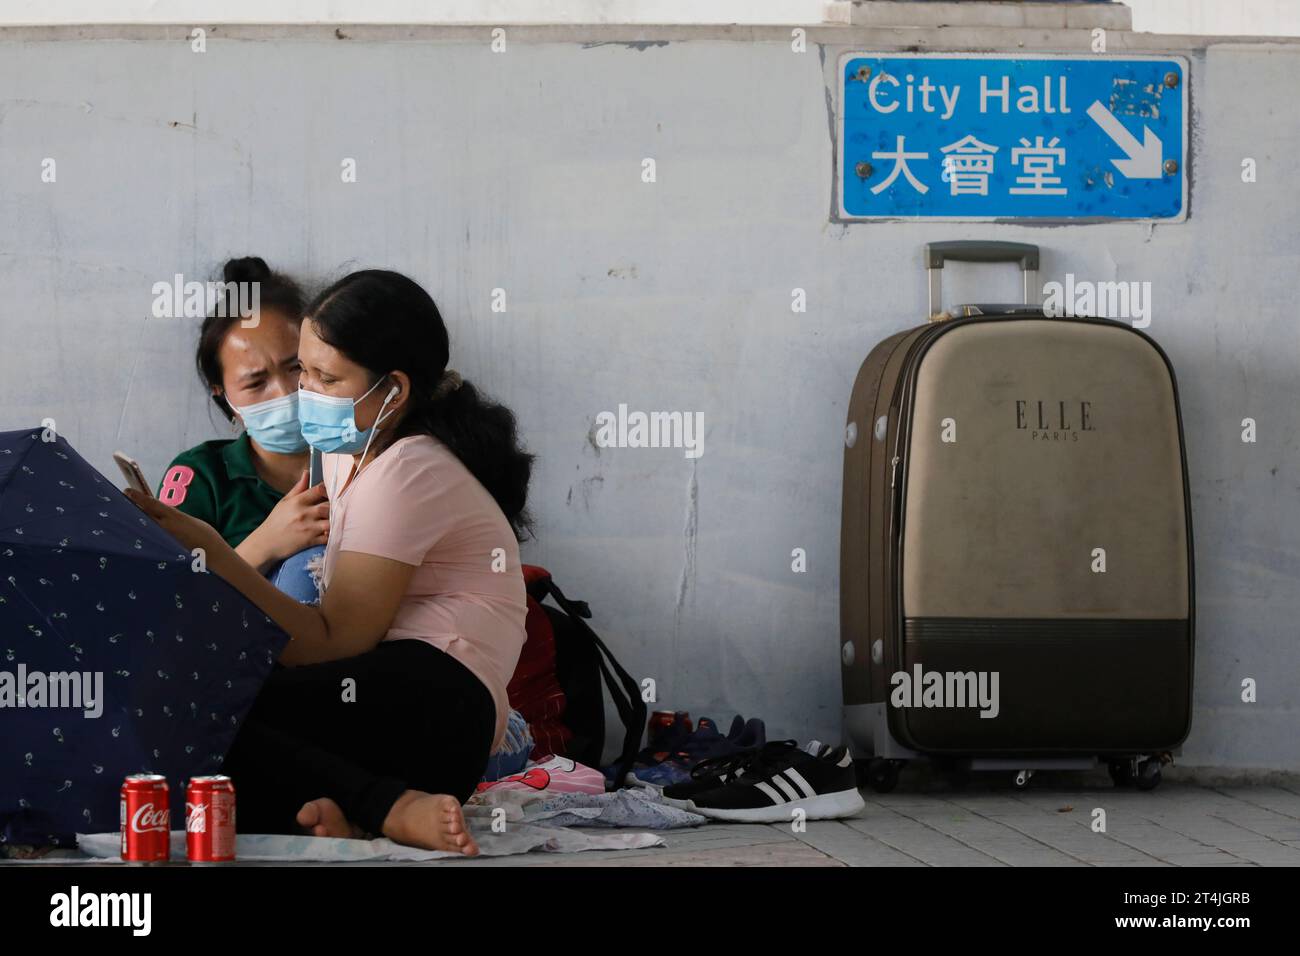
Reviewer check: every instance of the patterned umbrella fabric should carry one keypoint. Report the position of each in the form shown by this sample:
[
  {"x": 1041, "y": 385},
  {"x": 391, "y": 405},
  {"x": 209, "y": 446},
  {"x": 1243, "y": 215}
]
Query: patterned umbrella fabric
[{"x": 116, "y": 655}]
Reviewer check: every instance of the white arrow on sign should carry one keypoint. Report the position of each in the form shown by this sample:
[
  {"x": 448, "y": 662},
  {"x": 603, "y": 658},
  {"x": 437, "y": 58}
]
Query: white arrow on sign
[{"x": 1143, "y": 158}]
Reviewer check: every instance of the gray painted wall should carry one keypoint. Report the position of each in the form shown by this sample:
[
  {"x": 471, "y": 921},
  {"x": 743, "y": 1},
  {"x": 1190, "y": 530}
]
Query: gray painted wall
[{"x": 522, "y": 171}]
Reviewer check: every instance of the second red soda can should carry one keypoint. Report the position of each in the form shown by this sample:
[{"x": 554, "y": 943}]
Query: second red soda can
[{"x": 210, "y": 819}]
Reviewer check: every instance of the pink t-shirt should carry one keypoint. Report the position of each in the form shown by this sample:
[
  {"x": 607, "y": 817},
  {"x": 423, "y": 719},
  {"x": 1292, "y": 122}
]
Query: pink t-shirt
[{"x": 418, "y": 504}]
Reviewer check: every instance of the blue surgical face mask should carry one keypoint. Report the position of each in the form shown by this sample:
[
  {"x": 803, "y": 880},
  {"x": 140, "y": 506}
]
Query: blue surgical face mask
[
  {"x": 329, "y": 423},
  {"x": 273, "y": 424}
]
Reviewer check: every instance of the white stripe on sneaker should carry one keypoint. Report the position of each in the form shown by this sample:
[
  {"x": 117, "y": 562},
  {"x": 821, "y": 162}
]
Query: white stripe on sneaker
[
  {"x": 797, "y": 778},
  {"x": 825, "y": 806},
  {"x": 772, "y": 795},
  {"x": 790, "y": 792}
]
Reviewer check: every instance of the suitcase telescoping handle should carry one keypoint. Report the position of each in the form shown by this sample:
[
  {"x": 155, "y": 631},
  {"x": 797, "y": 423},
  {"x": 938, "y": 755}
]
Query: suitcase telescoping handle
[{"x": 979, "y": 250}]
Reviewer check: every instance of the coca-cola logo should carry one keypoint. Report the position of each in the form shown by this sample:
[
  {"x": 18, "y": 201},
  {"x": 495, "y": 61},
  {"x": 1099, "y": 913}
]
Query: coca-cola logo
[
  {"x": 196, "y": 818},
  {"x": 148, "y": 820}
]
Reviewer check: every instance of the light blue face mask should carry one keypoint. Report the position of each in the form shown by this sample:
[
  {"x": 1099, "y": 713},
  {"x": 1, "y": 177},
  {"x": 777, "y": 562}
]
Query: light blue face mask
[
  {"x": 273, "y": 424},
  {"x": 329, "y": 423}
]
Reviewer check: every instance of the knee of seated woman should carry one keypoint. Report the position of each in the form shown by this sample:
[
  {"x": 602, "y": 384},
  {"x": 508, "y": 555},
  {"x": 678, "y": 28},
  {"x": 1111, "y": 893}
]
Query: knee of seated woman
[{"x": 299, "y": 575}]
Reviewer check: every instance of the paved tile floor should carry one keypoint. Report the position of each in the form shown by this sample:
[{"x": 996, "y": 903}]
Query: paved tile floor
[
  {"x": 1048, "y": 824},
  {"x": 1175, "y": 825}
]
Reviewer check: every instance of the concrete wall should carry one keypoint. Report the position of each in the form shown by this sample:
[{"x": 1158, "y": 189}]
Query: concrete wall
[
  {"x": 522, "y": 171},
  {"x": 1252, "y": 18},
  {"x": 412, "y": 11}
]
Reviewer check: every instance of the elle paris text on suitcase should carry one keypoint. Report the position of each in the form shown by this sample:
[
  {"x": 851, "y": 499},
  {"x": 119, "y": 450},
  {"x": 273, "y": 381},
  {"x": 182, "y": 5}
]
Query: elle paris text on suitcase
[{"x": 1016, "y": 586}]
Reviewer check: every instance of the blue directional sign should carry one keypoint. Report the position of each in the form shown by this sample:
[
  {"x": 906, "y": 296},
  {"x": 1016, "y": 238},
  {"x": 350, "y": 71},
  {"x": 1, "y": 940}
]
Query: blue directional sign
[{"x": 970, "y": 137}]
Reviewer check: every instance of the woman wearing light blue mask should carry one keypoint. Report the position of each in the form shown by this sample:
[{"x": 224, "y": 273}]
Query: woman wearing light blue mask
[
  {"x": 423, "y": 601},
  {"x": 253, "y": 488}
]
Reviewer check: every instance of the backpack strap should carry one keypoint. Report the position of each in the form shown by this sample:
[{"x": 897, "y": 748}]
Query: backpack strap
[{"x": 625, "y": 691}]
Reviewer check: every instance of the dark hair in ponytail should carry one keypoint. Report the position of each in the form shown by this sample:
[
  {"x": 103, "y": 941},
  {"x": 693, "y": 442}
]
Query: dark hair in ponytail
[
  {"x": 386, "y": 322},
  {"x": 275, "y": 291}
]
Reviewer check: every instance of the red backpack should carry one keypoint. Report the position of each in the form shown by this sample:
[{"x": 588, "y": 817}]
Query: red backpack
[{"x": 557, "y": 684}]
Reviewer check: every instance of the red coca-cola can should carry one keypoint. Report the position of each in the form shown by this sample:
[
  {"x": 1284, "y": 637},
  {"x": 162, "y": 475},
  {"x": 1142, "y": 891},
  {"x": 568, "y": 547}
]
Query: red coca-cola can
[
  {"x": 146, "y": 819},
  {"x": 210, "y": 819}
]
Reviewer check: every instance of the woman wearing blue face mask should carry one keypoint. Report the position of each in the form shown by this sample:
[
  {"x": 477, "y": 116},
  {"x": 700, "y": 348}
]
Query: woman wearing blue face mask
[
  {"x": 253, "y": 488},
  {"x": 423, "y": 600}
]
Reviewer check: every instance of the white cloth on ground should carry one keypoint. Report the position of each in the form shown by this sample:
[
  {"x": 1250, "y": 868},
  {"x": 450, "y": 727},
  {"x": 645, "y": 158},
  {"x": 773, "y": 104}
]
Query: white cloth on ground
[{"x": 259, "y": 847}]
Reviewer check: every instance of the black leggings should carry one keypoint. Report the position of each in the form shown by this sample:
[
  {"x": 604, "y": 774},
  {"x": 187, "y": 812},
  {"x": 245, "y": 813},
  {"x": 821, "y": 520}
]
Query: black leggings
[{"x": 420, "y": 720}]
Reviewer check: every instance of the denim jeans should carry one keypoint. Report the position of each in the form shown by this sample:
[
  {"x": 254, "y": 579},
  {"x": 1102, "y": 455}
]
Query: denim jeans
[
  {"x": 515, "y": 748},
  {"x": 292, "y": 577}
]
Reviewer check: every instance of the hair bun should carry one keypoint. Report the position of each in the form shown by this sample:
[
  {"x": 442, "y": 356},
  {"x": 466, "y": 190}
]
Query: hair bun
[
  {"x": 247, "y": 269},
  {"x": 449, "y": 382}
]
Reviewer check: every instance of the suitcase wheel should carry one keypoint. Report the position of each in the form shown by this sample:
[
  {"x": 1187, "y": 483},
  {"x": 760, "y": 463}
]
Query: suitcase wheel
[
  {"x": 878, "y": 774},
  {"x": 1141, "y": 773},
  {"x": 1148, "y": 777}
]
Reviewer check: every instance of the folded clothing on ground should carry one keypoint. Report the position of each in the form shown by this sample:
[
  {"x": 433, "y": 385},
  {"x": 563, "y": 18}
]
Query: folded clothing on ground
[
  {"x": 621, "y": 808},
  {"x": 552, "y": 775}
]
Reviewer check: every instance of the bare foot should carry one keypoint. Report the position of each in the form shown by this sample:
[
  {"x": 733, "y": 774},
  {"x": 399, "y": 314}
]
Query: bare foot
[
  {"x": 432, "y": 821},
  {"x": 324, "y": 818}
]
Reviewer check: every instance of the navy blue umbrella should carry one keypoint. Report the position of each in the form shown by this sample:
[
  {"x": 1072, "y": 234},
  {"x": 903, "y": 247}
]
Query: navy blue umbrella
[{"x": 116, "y": 656}]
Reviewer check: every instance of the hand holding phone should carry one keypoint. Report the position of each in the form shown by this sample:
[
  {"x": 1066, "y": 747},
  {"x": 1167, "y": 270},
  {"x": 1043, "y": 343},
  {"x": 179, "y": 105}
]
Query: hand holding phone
[{"x": 133, "y": 473}]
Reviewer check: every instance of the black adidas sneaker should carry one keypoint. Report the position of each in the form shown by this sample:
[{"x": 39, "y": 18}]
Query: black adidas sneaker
[
  {"x": 822, "y": 784},
  {"x": 718, "y": 771}
]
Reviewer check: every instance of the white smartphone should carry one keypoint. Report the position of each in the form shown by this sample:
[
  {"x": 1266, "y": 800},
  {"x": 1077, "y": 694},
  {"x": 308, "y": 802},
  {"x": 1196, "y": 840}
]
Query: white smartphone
[
  {"x": 316, "y": 474},
  {"x": 133, "y": 473}
]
